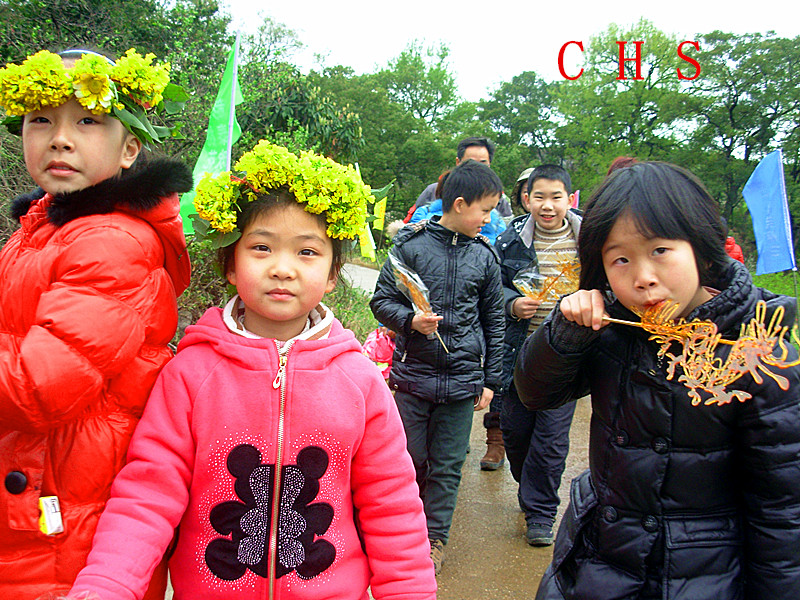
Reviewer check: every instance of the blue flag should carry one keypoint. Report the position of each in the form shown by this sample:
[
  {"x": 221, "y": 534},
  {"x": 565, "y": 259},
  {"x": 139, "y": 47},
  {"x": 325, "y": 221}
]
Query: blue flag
[{"x": 765, "y": 195}]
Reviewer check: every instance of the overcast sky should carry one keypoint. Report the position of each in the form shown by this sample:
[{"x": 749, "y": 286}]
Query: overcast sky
[{"x": 500, "y": 39}]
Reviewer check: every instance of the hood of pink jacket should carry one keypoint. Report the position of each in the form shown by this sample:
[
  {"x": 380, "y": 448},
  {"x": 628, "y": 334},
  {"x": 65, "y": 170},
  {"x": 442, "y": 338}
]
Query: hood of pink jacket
[{"x": 249, "y": 353}]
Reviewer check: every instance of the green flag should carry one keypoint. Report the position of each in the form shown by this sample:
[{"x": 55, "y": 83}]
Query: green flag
[{"x": 223, "y": 131}]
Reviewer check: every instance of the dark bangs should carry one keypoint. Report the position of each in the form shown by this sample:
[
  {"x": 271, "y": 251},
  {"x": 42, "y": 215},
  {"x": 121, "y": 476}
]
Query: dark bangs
[{"x": 664, "y": 201}]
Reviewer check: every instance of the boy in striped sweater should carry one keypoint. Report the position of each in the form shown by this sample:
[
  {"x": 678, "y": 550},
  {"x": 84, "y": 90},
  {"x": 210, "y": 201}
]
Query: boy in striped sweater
[{"x": 536, "y": 443}]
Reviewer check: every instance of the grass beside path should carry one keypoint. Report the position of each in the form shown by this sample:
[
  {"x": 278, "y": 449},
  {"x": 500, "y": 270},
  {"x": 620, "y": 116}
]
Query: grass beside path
[{"x": 351, "y": 306}]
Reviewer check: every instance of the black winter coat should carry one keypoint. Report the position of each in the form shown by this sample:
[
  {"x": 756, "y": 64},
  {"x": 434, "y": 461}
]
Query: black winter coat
[
  {"x": 463, "y": 277},
  {"x": 703, "y": 501},
  {"x": 515, "y": 256}
]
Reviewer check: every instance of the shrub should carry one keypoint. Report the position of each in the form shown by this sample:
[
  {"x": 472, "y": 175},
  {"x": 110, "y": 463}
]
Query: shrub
[{"x": 351, "y": 306}]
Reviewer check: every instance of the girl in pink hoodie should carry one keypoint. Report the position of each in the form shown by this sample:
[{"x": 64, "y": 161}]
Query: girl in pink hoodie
[{"x": 271, "y": 450}]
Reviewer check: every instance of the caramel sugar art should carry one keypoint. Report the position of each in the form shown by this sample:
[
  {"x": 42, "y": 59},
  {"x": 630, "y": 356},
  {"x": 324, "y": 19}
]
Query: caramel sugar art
[
  {"x": 752, "y": 353},
  {"x": 536, "y": 287},
  {"x": 409, "y": 282}
]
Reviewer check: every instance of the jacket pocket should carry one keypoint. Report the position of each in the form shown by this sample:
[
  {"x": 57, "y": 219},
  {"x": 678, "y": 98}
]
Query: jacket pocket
[
  {"x": 475, "y": 347},
  {"x": 704, "y": 553},
  {"x": 510, "y": 268},
  {"x": 23, "y": 463},
  {"x": 580, "y": 511},
  {"x": 702, "y": 531}
]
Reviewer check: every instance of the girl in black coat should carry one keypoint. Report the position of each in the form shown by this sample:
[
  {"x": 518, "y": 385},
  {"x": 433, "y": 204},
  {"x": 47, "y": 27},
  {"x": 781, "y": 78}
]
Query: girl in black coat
[{"x": 680, "y": 501}]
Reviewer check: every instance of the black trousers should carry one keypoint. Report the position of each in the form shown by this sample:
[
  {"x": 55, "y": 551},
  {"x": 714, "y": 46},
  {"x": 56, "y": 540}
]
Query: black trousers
[{"x": 537, "y": 443}]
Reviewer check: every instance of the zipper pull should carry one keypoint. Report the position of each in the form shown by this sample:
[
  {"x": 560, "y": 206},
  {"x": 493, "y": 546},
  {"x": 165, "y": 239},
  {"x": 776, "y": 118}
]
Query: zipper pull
[{"x": 276, "y": 383}]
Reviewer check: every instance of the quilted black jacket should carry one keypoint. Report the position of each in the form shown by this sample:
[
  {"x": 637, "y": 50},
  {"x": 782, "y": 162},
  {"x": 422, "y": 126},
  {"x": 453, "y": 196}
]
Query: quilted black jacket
[
  {"x": 703, "y": 500},
  {"x": 463, "y": 277}
]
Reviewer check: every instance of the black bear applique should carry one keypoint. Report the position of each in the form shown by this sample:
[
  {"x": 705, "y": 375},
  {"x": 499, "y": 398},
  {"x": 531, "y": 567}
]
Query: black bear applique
[{"x": 248, "y": 522}]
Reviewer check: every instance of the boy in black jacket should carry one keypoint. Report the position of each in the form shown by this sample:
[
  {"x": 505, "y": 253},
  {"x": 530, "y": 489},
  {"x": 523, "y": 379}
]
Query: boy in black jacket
[{"x": 438, "y": 383}]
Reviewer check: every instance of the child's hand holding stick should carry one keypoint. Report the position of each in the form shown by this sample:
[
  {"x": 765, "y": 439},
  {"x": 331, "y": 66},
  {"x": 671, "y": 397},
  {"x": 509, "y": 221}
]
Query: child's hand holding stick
[{"x": 425, "y": 321}]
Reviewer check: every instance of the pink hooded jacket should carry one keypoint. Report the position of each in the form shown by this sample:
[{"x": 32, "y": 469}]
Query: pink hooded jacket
[{"x": 221, "y": 415}]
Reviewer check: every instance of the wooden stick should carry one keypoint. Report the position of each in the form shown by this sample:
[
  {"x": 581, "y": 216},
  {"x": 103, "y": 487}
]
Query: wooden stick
[
  {"x": 622, "y": 322},
  {"x": 641, "y": 325},
  {"x": 442, "y": 342}
]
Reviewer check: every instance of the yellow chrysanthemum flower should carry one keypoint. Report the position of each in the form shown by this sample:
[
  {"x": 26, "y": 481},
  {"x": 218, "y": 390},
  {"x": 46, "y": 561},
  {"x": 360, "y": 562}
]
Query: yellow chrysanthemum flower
[
  {"x": 41, "y": 80},
  {"x": 214, "y": 201},
  {"x": 92, "y": 84}
]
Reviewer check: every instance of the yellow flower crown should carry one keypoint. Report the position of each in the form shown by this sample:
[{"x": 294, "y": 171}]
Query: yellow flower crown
[
  {"x": 323, "y": 185},
  {"x": 127, "y": 89}
]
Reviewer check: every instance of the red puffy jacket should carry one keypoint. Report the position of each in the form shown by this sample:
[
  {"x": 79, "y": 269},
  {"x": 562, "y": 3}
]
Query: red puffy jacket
[
  {"x": 88, "y": 288},
  {"x": 733, "y": 249}
]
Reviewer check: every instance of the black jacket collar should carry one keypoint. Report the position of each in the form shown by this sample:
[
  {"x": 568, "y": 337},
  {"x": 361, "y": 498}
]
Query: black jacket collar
[
  {"x": 446, "y": 236},
  {"x": 139, "y": 190}
]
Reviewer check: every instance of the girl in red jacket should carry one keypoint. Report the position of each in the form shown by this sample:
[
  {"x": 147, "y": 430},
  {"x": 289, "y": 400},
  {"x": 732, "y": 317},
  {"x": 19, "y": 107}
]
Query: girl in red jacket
[
  {"x": 88, "y": 288},
  {"x": 270, "y": 443}
]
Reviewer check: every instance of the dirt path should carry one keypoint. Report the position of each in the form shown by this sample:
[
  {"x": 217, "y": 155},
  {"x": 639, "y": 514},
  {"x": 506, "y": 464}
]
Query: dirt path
[
  {"x": 362, "y": 277},
  {"x": 487, "y": 557}
]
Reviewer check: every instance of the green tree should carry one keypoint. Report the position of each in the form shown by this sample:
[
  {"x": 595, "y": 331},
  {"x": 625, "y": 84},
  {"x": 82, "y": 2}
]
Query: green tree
[
  {"x": 520, "y": 112},
  {"x": 279, "y": 100},
  {"x": 28, "y": 25},
  {"x": 603, "y": 115},
  {"x": 287, "y": 107},
  {"x": 398, "y": 146},
  {"x": 197, "y": 43},
  {"x": 419, "y": 79},
  {"x": 520, "y": 116},
  {"x": 273, "y": 42},
  {"x": 746, "y": 106}
]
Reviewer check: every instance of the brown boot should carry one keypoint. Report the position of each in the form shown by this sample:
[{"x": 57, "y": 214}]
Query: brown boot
[
  {"x": 437, "y": 555},
  {"x": 495, "y": 452}
]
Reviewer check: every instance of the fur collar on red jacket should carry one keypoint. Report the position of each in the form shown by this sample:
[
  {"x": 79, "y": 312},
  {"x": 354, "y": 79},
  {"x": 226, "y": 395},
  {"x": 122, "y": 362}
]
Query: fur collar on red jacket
[{"x": 141, "y": 190}]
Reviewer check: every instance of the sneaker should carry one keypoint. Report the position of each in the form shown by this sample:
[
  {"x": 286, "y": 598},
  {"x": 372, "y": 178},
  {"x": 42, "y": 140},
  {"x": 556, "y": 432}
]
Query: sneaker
[
  {"x": 539, "y": 534},
  {"x": 437, "y": 555}
]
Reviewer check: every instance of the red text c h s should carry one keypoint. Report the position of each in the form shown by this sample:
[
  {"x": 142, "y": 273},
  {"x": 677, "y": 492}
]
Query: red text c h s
[{"x": 637, "y": 58}]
